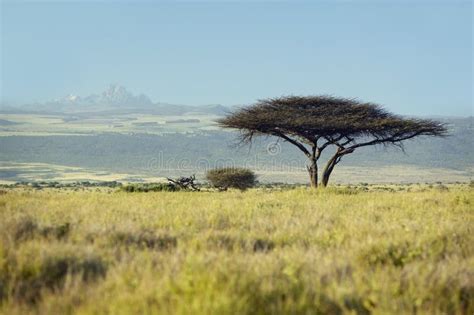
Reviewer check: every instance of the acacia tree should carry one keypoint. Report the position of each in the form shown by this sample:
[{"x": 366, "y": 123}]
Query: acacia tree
[{"x": 314, "y": 123}]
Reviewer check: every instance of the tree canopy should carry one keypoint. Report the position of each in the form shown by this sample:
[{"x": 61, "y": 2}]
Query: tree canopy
[{"x": 312, "y": 123}]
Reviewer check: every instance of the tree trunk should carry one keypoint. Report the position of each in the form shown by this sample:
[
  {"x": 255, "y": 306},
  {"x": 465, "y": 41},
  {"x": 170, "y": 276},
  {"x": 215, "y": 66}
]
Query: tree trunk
[
  {"x": 326, "y": 174},
  {"x": 328, "y": 169},
  {"x": 313, "y": 173}
]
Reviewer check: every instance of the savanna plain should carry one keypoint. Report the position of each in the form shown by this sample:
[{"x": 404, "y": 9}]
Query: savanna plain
[{"x": 393, "y": 249}]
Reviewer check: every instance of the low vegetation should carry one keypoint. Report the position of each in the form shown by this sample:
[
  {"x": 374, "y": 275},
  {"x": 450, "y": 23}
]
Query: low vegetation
[
  {"x": 231, "y": 177},
  {"x": 149, "y": 187},
  {"x": 55, "y": 184},
  {"x": 345, "y": 250}
]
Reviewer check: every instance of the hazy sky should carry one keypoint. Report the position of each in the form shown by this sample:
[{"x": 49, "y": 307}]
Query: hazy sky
[{"x": 412, "y": 57}]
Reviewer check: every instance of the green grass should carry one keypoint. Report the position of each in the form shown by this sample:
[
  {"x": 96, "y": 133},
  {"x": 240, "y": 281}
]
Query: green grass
[{"x": 405, "y": 250}]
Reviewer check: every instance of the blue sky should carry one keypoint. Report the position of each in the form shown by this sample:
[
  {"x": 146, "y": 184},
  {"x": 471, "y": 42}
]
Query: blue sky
[{"x": 412, "y": 57}]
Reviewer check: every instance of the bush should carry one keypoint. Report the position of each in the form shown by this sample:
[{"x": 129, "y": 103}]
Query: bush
[{"x": 231, "y": 177}]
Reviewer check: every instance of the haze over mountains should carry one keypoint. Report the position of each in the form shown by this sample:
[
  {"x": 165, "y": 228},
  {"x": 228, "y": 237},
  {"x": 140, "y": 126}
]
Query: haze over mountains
[{"x": 115, "y": 99}]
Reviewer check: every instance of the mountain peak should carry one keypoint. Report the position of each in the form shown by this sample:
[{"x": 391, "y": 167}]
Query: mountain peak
[
  {"x": 115, "y": 91},
  {"x": 117, "y": 98},
  {"x": 72, "y": 97},
  {"x": 114, "y": 95},
  {"x": 118, "y": 95}
]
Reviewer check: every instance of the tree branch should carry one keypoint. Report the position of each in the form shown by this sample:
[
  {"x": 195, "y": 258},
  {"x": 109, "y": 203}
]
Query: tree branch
[
  {"x": 349, "y": 140},
  {"x": 393, "y": 140},
  {"x": 294, "y": 142}
]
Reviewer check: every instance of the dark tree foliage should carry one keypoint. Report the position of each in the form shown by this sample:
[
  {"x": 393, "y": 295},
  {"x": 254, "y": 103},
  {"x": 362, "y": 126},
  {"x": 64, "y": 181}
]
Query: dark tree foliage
[
  {"x": 231, "y": 177},
  {"x": 313, "y": 123}
]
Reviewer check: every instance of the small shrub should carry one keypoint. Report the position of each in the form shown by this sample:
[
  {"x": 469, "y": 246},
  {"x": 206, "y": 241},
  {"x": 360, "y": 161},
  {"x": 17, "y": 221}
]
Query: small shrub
[{"x": 231, "y": 177}]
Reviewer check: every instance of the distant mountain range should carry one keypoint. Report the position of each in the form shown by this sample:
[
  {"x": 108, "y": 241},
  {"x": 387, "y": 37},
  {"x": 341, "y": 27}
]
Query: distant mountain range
[{"x": 115, "y": 99}]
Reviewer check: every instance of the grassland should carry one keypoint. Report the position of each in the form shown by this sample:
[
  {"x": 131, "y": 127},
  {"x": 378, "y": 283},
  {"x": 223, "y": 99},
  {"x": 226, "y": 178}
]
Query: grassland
[
  {"x": 137, "y": 146},
  {"x": 365, "y": 250},
  {"x": 13, "y": 172},
  {"x": 75, "y": 125}
]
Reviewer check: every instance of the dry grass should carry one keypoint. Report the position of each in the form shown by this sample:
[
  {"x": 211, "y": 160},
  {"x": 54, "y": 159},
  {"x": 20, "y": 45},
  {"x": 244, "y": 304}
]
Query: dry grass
[{"x": 339, "y": 251}]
